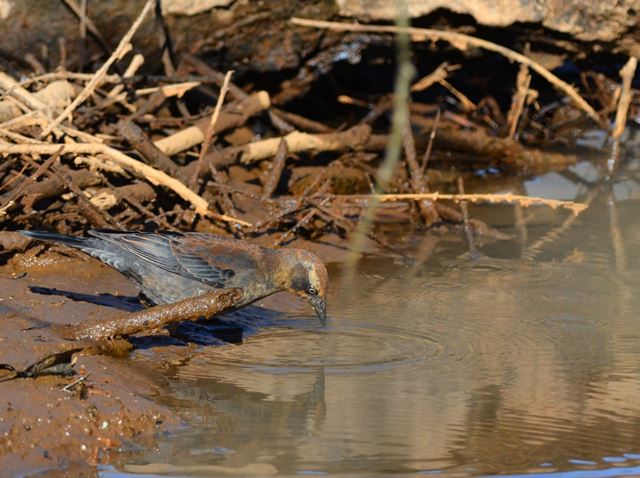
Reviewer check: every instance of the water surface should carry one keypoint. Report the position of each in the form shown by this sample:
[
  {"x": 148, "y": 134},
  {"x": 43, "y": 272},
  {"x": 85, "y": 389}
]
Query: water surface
[{"x": 524, "y": 361}]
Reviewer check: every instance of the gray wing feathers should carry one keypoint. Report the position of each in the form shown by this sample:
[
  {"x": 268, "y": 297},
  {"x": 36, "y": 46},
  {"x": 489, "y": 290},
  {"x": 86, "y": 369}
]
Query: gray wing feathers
[{"x": 157, "y": 249}]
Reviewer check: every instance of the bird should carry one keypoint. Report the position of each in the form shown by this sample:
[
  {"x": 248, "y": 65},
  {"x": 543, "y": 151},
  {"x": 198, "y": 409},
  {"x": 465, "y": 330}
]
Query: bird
[{"x": 171, "y": 266}]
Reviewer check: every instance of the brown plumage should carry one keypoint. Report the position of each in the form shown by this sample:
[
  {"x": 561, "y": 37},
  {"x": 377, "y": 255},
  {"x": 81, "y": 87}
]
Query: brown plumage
[{"x": 168, "y": 267}]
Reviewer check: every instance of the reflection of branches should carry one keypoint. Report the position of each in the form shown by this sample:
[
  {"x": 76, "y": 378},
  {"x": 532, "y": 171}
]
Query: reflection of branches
[
  {"x": 536, "y": 248},
  {"x": 619, "y": 253}
]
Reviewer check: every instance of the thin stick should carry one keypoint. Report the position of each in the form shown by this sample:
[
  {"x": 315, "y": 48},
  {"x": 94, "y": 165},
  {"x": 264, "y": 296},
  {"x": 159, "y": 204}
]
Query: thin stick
[
  {"x": 436, "y": 76},
  {"x": 122, "y": 49},
  {"x": 277, "y": 166},
  {"x": 40, "y": 170},
  {"x": 432, "y": 137},
  {"x": 68, "y": 387},
  {"x": 96, "y": 216},
  {"x": 416, "y": 180},
  {"x": 461, "y": 42},
  {"x": 517, "y": 103},
  {"x": 467, "y": 105},
  {"x": 86, "y": 23},
  {"x": 626, "y": 73},
  {"x": 211, "y": 127},
  {"x": 5, "y": 208},
  {"x": 574, "y": 207},
  {"x": 10, "y": 86}
]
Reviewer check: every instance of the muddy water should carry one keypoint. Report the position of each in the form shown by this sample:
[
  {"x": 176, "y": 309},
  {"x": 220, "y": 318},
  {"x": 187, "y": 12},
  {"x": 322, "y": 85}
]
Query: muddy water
[{"x": 442, "y": 366}]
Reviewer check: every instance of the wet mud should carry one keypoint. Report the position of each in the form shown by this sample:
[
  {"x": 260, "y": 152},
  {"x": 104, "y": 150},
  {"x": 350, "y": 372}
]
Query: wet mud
[{"x": 56, "y": 422}]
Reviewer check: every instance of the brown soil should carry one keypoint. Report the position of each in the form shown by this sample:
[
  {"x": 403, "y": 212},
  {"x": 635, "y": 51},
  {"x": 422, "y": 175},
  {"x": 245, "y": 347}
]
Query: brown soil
[{"x": 43, "y": 426}]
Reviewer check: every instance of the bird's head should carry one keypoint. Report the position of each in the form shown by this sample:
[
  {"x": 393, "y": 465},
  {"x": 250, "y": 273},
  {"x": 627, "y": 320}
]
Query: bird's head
[{"x": 308, "y": 279}]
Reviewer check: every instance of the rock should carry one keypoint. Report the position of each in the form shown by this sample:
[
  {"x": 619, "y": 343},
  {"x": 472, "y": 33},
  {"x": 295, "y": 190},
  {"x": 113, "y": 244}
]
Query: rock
[{"x": 584, "y": 19}]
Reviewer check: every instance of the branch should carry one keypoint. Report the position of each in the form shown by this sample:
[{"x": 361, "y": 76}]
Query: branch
[{"x": 574, "y": 207}]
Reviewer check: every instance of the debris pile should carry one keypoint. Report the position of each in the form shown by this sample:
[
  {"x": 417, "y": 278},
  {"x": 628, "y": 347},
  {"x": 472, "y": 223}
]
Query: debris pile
[{"x": 192, "y": 150}]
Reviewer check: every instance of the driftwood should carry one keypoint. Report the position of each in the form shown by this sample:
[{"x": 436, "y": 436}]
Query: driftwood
[{"x": 102, "y": 336}]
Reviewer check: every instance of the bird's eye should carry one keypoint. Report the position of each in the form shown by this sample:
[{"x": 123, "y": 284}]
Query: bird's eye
[{"x": 312, "y": 291}]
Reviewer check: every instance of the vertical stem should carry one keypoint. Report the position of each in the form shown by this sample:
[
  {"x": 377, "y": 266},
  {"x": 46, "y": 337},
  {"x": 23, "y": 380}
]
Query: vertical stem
[{"x": 399, "y": 125}]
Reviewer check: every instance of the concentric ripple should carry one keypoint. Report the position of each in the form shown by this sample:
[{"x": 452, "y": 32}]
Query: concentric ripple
[{"x": 345, "y": 348}]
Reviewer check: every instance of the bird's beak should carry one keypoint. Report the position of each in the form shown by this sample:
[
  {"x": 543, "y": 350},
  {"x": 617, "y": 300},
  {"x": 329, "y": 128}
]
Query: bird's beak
[{"x": 319, "y": 304}]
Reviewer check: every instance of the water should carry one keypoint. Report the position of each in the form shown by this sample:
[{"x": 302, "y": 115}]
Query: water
[{"x": 444, "y": 366}]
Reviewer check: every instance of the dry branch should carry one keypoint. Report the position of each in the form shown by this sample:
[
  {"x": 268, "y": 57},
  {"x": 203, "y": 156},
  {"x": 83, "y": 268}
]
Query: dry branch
[
  {"x": 626, "y": 73},
  {"x": 205, "y": 305},
  {"x": 517, "y": 103},
  {"x": 574, "y": 207},
  {"x": 211, "y": 127},
  {"x": 276, "y": 170},
  {"x": 149, "y": 151},
  {"x": 12, "y": 88}
]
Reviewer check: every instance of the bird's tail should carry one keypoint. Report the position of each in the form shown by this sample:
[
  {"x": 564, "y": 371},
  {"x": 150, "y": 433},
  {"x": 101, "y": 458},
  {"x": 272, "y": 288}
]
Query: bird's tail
[{"x": 82, "y": 243}]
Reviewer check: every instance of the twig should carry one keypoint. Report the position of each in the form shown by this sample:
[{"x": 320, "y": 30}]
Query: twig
[
  {"x": 208, "y": 136},
  {"x": 303, "y": 221},
  {"x": 297, "y": 142},
  {"x": 40, "y": 170},
  {"x": 149, "y": 151},
  {"x": 436, "y": 76},
  {"x": 14, "y": 179},
  {"x": 467, "y": 105},
  {"x": 574, "y": 207},
  {"x": 517, "y": 103},
  {"x": 6, "y": 207},
  {"x": 87, "y": 23},
  {"x": 277, "y": 166},
  {"x": 53, "y": 187},
  {"x": 626, "y": 73},
  {"x": 416, "y": 179},
  {"x": 97, "y": 217},
  {"x": 122, "y": 49},
  {"x": 205, "y": 305},
  {"x": 432, "y": 137},
  {"x": 70, "y": 386},
  {"x": 461, "y": 42},
  {"x": 10, "y": 86},
  {"x": 301, "y": 122}
]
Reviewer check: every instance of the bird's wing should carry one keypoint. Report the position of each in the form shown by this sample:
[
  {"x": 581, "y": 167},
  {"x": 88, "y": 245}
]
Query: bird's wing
[{"x": 202, "y": 257}]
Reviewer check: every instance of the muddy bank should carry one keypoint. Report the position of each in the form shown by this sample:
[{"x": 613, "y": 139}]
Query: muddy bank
[{"x": 42, "y": 424}]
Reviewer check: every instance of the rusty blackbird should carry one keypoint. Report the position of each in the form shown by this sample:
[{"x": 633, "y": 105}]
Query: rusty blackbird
[{"x": 171, "y": 266}]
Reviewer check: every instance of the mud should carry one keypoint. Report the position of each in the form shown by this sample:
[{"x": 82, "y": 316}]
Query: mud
[{"x": 44, "y": 426}]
